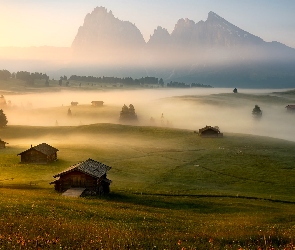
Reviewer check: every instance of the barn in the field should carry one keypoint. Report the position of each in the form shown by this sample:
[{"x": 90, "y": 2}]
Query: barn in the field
[
  {"x": 90, "y": 175},
  {"x": 41, "y": 154},
  {"x": 97, "y": 103},
  {"x": 3, "y": 144},
  {"x": 291, "y": 108},
  {"x": 209, "y": 131}
]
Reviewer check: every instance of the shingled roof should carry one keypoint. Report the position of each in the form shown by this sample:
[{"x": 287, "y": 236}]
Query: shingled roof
[
  {"x": 209, "y": 127},
  {"x": 89, "y": 167},
  {"x": 42, "y": 148},
  {"x": 4, "y": 142}
]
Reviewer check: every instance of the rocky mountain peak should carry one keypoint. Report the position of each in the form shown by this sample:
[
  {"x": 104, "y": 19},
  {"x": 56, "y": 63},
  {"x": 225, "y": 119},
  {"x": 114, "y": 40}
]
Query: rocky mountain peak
[
  {"x": 160, "y": 36},
  {"x": 102, "y": 32},
  {"x": 214, "y": 17},
  {"x": 184, "y": 24}
]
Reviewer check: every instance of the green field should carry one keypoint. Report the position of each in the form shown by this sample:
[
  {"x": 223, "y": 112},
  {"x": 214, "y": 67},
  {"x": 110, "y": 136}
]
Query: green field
[{"x": 170, "y": 189}]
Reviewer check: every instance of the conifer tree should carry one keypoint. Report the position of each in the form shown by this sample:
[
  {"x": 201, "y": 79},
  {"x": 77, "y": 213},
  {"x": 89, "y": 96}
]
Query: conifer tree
[
  {"x": 3, "y": 119},
  {"x": 69, "y": 112},
  {"x": 257, "y": 111}
]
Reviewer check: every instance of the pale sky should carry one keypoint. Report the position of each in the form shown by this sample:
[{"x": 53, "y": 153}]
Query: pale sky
[{"x": 25, "y": 23}]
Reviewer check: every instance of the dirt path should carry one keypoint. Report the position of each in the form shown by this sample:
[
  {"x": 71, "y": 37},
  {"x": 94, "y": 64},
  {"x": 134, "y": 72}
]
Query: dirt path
[{"x": 74, "y": 192}]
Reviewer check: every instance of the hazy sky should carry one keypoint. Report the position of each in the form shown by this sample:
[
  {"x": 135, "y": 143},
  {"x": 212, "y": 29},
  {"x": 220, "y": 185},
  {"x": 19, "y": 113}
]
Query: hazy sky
[{"x": 55, "y": 22}]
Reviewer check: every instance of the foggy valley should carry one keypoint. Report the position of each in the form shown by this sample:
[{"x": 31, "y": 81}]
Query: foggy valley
[
  {"x": 147, "y": 124},
  {"x": 181, "y": 108}
]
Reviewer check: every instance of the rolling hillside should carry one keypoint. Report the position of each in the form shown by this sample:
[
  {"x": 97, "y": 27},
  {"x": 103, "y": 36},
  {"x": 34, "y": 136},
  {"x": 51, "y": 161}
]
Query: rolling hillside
[{"x": 162, "y": 160}]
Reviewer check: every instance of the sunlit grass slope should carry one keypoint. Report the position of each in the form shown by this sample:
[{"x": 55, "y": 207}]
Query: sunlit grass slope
[
  {"x": 171, "y": 189},
  {"x": 160, "y": 160}
]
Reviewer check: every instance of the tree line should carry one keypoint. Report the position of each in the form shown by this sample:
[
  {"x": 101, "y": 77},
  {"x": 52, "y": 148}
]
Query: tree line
[
  {"x": 31, "y": 77},
  {"x": 115, "y": 80},
  {"x": 23, "y": 75},
  {"x": 4, "y": 74},
  {"x": 184, "y": 85}
]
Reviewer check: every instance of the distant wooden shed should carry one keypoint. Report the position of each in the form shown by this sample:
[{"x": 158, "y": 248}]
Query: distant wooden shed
[
  {"x": 3, "y": 144},
  {"x": 209, "y": 131},
  {"x": 89, "y": 174},
  {"x": 2, "y": 101},
  {"x": 74, "y": 103},
  {"x": 290, "y": 108},
  {"x": 97, "y": 103},
  {"x": 42, "y": 153}
]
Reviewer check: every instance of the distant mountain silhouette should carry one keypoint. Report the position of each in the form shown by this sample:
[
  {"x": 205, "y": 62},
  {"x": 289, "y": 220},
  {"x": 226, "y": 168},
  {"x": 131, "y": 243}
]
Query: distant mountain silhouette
[
  {"x": 212, "y": 52},
  {"x": 103, "y": 36}
]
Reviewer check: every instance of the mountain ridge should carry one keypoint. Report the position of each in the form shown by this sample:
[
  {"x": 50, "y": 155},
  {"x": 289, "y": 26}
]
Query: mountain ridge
[{"x": 210, "y": 51}]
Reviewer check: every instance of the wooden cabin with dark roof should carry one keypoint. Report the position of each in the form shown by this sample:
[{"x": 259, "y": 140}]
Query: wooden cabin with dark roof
[
  {"x": 209, "y": 131},
  {"x": 290, "y": 108},
  {"x": 97, "y": 103},
  {"x": 42, "y": 154},
  {"x": 3, "y": 144},
  {"x": 74, "y": 103},
  {"x": 89, "y": 174},
  {"x": 2, "y": 101}
]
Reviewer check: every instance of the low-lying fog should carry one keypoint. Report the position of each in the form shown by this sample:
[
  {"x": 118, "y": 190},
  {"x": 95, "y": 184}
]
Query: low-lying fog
[{"x": 179, "y": 108}]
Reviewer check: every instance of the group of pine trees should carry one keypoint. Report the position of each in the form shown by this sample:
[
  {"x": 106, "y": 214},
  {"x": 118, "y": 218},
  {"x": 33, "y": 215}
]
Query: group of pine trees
[
  {"x": 26, "y": 76},
  {"x": 128, "y": 113},
  {"x": 4, "y": 74}
]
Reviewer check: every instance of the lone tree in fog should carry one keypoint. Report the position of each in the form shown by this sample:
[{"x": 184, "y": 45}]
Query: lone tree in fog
[
  {"x": 256, "y": 112},
  {"x": 161, "y": 82},
  {"x": 69, "y": 112},
  {"x": 3, "y": 119},
  {"x": 47, "y": 82},
  {"x": 128, "y": 114}
]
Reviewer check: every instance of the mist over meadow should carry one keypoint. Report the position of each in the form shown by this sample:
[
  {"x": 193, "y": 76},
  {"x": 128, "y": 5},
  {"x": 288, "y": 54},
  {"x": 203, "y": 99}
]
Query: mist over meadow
[
  {"x": 212, "y": 52},
  {"x": 177, "y": 108}
]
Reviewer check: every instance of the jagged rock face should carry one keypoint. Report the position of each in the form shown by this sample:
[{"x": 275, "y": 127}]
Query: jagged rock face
[
  {"x": 184, "y": 32},
  {"x": 161, "y": 36},
  {"x": 212, "y": 40},
  {"x": 103, "y": 35},
  {"x": 223, "y": 33},
  {"x": 191, "y": 47},
  {"x": 215, "y": 31}
]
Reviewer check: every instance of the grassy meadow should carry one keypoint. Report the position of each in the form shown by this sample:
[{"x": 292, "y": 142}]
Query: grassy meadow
[{"x": 170, "y": 189}]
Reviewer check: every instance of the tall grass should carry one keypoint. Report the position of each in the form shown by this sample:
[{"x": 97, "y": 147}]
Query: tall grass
[
  {"x": 171, "y": 190},
  {"x": 32, "y": 219}
]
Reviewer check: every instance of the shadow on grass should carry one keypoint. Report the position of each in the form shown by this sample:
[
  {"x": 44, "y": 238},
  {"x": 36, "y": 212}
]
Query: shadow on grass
[
  {"x": 194, "y": 204},
  {"x": 206, "y": 204}
]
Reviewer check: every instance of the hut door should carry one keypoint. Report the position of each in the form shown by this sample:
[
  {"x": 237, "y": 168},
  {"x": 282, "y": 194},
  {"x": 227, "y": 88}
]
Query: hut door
[{"x": 78, "y": 181}]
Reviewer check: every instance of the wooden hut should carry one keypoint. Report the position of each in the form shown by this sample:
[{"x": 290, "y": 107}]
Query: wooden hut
[
  {"x": 97, "y": 103},
  {"x": 209, "y": 131},
  {"x": 74, "y": 103},
  {"x": 290, "y": 108},
  {"x": 2, "y": 101},
  {"x": 89, "y": 174},
  {"x": 3, "y": 144},
  {"x": 42, "y": 153}
]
